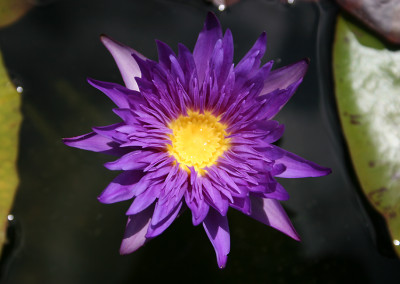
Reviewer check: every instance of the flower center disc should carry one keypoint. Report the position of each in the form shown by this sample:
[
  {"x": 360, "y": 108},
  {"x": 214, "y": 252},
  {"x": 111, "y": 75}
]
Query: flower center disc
[{"x": 198, "y": 140}]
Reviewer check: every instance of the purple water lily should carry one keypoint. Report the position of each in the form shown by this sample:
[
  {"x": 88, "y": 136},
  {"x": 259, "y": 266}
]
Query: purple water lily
[{"x": 197, "y": 133}]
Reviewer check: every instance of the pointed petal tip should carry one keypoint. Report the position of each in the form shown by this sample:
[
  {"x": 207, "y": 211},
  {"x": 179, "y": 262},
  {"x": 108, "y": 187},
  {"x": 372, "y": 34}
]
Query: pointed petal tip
[
  {"x": 296, "y": 237},
  {"x": 300, "y": 67},
  {"x": 92, "y": 142},
  {"x": 123, "y": 251},
  {"x": 298, "y": 167},
  {"x": 211, "y": 21},
  {"x": 106, "y": 40},
  {"x": 222, "y": 261},
  {"x": 93, "y": 82},
  {"x": 262, "y": 40},
  {"x": 228, "y": 32},
  {"x": 263, "y": 36},
  {"x": 217, "y": 230},
  {"x": 122, "y": 55},
  {"x": 270, "y": 212},
  {"x": 320, "y": 171},
  {"x": 101, "y": 199},
  {"x": 127, "y": 248},
  {"x": 327, "y": 171}
]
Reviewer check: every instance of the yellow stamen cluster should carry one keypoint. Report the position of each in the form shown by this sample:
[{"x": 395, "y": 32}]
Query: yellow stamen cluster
[{"x": 198, "y": 140}]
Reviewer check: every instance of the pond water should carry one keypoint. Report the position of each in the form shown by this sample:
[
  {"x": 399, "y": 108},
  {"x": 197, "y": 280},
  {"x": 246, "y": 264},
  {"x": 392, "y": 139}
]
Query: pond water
[{"x": 62, "y": 234}]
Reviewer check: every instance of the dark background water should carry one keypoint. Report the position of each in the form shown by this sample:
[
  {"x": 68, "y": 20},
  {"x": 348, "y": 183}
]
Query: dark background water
[{"x": 61, "y": 234}]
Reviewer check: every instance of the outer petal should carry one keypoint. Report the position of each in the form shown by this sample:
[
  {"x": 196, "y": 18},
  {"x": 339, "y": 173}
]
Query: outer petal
[
  {"x": 94, "y": 142},
  {"x": 280, "y": 193},
  {"x": 164, "y": 53},
  {"x": 135, "y": 231},
  {"x": 113, "y": 91},
  {"x": 251, "y": 61},
  {"x": 297, "y": 167},
  {"x": 284, "y": 77},
  {"x": 135, "y": 160},
  {"x": 276, "y": 100},
  {"x": 144, "y": 200},
  {"x": 127, "y": 65},
  {"x": 204, "y": 47},
  {"x": 271, "y": 213},
  {"x": 217, "y": 229},
  {"x": 155, "y": 230},
  {"x": 121, "y": 188},
  {"x": 110, "y": 131},
  {"x": 198, "y": 207}
]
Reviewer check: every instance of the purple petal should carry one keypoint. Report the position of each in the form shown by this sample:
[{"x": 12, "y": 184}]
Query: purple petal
[
  {"x": 164, "y": 53},
  {"x": 132, "y": 161},
  {"x": 171, "y": 195},
  {"x": 284, "y": 77},
  {"x": 217, "y": 229},
  {"x": 271, "y": 152},
  {"x": 126, "y": 115},
  {"x": 275, "y": 131},
  {"x": 276, "y": 100},
  {"x": 279, "y": 194},
  {"x": 214, "y": 197},
  {"x": 227, "y": 45},
  {"x": 109, "y": 131},
  {"x": 242, "y": 204},
  {"x": 198, "y": 207},
  {"x": 185, "y": 58},
  {"x": 94, "y": 142},
  {"x": 271, "y": 213},
  {"x": 156, "y": 230},
  {"x": 127, "y": 65},
  {"x": 135, "y": 231},
  {"x": 144, "y": 200},
  {"x": 113, "y": 91},
  {"x": 121, "y": 188},
  {"x": 297, "y": 167},
  {"x": 204, "y": 47},
  {"x": 251, "y": 61}
]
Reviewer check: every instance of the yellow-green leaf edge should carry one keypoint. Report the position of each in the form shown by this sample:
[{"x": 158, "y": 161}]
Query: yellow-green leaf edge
[
  {"x": 10, "y": 121},
  {"x": 367, "y": 87}
]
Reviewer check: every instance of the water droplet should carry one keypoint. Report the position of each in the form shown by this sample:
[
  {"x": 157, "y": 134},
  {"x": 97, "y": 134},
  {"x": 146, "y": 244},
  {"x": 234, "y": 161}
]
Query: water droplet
[
  {"x": 221, "y": 7},
  {"x": 290, "y": 1},
  {"x": 10, "y": 217},
  {"x": 20, "y": 89},
  {"x": 396, "y": 242}
]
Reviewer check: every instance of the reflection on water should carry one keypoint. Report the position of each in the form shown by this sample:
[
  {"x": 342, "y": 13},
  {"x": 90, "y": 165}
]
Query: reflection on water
[{"x": 63, "y": 235}]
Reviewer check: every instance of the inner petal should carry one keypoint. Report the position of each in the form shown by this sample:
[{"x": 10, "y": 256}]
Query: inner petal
[{"x": 198, "y": 140}]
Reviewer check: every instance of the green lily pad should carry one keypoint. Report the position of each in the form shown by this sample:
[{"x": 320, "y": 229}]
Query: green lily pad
[
  {"x": 367, "y": 80},
  {"x": 10, "y": 120}
]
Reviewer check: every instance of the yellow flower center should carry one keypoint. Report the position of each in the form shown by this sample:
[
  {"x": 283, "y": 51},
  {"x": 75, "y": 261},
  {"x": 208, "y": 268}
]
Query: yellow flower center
[{"x": 198, "y": 140}]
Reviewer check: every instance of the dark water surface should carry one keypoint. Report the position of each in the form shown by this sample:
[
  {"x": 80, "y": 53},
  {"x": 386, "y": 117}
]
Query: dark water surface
[{"x": 61, "y": 234}]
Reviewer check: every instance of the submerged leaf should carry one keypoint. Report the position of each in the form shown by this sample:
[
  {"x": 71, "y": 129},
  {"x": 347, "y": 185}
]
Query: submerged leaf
[
  {"x": 367, "y": 79},
  {"x": 10, "y": 119}
]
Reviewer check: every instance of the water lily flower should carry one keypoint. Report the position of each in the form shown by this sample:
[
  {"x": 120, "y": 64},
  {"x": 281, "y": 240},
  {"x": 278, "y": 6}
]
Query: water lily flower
[{"x": 197, "y": 133}]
